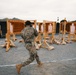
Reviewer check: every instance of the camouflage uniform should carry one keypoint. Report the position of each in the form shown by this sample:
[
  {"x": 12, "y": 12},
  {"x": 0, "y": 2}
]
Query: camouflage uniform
[{"x": 29, "y": 34}]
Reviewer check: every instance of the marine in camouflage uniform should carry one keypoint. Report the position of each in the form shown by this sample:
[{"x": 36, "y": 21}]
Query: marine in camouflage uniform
[{"x": 28, "y": 34}]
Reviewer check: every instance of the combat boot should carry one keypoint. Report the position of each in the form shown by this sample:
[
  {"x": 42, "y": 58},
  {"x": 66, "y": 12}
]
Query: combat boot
[
  {"x": 18, "y": 68},
  {"x": 40, "y": 64}
]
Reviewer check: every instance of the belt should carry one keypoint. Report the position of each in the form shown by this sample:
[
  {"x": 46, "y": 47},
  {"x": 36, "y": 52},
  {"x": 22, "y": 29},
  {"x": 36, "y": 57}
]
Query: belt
[{"x": 28, "y": 42}]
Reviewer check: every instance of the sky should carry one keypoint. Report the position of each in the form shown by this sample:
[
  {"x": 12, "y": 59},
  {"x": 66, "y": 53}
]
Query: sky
[{"x": 38, "y": 9}]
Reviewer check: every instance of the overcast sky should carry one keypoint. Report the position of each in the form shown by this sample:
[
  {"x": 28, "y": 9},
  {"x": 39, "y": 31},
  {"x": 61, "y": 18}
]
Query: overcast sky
[{"x": 38, "y": 9}]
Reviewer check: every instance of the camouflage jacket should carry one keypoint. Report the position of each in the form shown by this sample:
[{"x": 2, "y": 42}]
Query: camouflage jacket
[{"x": 29, "y": 34}]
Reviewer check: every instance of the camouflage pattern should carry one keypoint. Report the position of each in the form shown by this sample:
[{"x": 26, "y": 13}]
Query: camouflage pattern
[{"x": 29, "y": 34}]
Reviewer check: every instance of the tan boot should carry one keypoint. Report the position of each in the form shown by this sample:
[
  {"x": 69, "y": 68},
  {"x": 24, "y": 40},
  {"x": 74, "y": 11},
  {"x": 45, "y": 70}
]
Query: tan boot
[
  {"x": 40, "y": 64},
  {"x": 18, "y": 68}
]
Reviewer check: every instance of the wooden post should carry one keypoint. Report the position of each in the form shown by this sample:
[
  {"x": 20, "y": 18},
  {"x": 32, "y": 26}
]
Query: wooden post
[
  {"x": 9, "y": 42},
  {"x": 45, "y": 36},
  {"x": 38, "y": 38},
  {"x": 72, "y": 33},
  {"x": 38, "y": 41},
  {"x": 63, "y": 31}
]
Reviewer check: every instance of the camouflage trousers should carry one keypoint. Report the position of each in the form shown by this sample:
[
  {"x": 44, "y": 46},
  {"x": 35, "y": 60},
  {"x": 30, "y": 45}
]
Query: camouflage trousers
[{"x": 33, "y": 54}]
